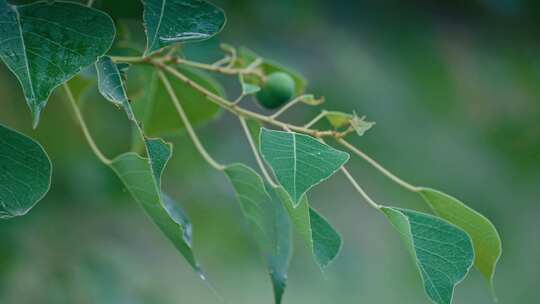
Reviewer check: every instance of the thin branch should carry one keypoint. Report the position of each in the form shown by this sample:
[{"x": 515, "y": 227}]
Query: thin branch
[
  {"x": 239, "y": 99},
  {"x": 187, "y": 124},
  {"x": 378, "y": 166},
  {"x": 230, "y": 106},
  {"x": 222, "y": 61},
  {"x": 208, "y": 67},
  {"x": 287, "y": 106},
  {"x": 257, "y": 62},
  {"x": 130, "y": 59},
  {"x": 90, "y": 3},
  {"x": 256, "y": 153},
  {"x": 359, "y": 189},
  {"x": 84, "y": 127},
  {"x": 316, "y": 119},
  {"x": 161, "y": 63},
  {"x": 234, "y": 56}
]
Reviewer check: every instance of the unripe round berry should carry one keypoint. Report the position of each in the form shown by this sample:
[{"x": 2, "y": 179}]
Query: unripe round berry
[{"x": 276, "y": 91}]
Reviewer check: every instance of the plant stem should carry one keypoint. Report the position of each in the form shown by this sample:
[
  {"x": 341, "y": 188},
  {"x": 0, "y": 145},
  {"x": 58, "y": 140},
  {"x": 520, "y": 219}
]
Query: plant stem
[
  {"x": 378, "y": 166},
  {"x": 316, "y": 119},
  {"x": 90, "y": 3},
  {"x": 84, "y": 127},
  {"x": 208, "y": 67},
  {"x": 230, "y": 106},
  {"x": 169, "y": 59},
  {"x": 233, "y": 107},
  {"x": 222, "y": 61},
  {"x": 356, "y": 185},
  {"x": 287, "y": 106},
  {"x": 129, "y": 59},
  {"x": 359, "y": 189},
  {"x": 187, "y": 124},
  {"x": 256, "y": 152}
]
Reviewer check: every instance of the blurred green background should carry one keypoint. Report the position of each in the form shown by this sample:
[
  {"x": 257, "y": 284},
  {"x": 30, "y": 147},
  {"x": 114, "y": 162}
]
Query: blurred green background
[{"x": 454, "y": 87}]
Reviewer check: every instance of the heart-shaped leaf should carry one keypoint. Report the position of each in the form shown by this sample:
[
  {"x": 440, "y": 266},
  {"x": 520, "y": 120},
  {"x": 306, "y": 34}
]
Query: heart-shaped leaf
[
  {"x": 25, "y": 173},
  {"x": 299, "y": 161},
  {"x": 443, "y": 252},
  {"x": 46, "y": 43},
  {"x": 486, "y": 240},
  {"x": 172, "y": 21},
  {"x": 268, "y": 220},
  {"x": 323, "y": 239}
]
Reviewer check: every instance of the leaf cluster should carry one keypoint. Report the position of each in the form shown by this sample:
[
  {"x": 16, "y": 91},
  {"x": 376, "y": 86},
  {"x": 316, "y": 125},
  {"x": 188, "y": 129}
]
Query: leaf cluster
[{"x": 51, "y": 44}]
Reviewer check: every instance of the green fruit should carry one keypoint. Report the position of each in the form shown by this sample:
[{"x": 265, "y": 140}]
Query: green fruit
[{"x": 276, "y": 91}]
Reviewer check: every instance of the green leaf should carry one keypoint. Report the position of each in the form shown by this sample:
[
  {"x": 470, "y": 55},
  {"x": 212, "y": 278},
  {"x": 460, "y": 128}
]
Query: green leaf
[
  {"x": 25, "y": 173},
  {"x": 269, "y": 222},
  {"x": 299, "y": 161},
  {"x": 338, "y": 119},
  {"x": 443, "y": 252},
  {"x": 46, "y": 43},
  {"x": 142, "y": 175},
  {"x": 158, "y": 114},
  {"x": 142, "y": 178},
  {"x": 268, "y": 67},
  {"x": 111, "y": 84},
  {"x": 322, "y": 238},
  {"x": 341, "y": 120},
  {"x": 310, "y": 100},
  {"x": 486, "y": 240},
  {"x": 171, "y": 21},
  {"x": 248, "y": 88}
]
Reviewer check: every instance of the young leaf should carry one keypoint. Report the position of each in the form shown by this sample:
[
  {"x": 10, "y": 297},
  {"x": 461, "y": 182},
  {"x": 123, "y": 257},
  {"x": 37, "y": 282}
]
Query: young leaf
[
  {"x": 25, "y": 173},
  {"x": 155, "y": 109},
  {"x": 171, "y": 21},
  {"x": 248, "y": 88},
  {"x": 341, "y": 120},
  {"x": 338, "y": 119},
  {"x": 268, "y": 220},
  {"x": 142, "y": 178},
  {"x": 443, "y": 252},
  {"x": 46, "y": 43},
  {"x": 360, "y": 125},
  {"x": 299, "y": 161},
  {"x": 310, "y": 100},
  {"x": 268, "y": 67},
  {"x": 323, "y": 239},
  {"x": 111, "y": 84},
  {"x": 486, "y": 240}
]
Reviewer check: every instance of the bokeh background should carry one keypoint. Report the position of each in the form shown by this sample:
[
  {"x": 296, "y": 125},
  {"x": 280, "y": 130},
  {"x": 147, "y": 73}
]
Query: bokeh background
[{"x": 454, "y": 87}]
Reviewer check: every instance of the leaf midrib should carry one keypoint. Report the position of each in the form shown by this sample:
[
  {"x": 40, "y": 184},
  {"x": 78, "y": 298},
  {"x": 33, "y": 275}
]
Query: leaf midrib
[
  {"x": 158, "y": 27},
  {"x": 294, "y": 166},
  {"x": 25, "y": 56}
]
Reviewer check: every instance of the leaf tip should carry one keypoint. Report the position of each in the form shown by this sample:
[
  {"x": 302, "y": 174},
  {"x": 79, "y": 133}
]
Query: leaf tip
[{"x": 36, "y": 115}]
